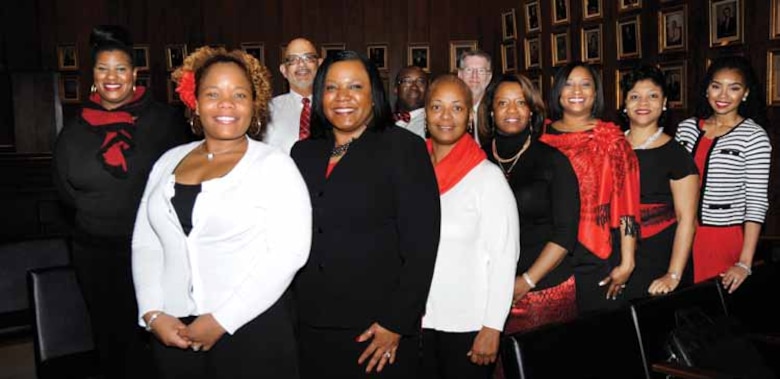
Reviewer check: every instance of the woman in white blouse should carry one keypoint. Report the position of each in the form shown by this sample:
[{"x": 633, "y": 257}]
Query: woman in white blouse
[
  {"x": 223, "y": 226},
  {"x": 473, "y": 279}
]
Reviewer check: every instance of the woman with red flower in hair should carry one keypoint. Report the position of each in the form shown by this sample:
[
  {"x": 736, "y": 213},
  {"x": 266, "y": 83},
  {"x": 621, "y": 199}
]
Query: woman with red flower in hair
[
  {"x": 102, "y": 159},
  {"x": 223, "y": 226}
]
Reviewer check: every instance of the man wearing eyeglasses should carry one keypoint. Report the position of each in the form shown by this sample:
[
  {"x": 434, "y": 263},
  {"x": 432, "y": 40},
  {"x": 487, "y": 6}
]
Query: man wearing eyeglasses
[
  {"x": 410, "y": 86},
  {"x": 474, "y": 68},
  {"x": 291, "y": 112}
]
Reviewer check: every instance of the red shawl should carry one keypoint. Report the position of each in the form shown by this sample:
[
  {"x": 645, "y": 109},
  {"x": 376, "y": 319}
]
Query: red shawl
[
  {"x": 463, "y": 157},
  {"x": 608, "y": 174}
]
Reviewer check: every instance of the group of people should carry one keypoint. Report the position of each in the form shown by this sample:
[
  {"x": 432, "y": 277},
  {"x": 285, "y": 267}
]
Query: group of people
[{"x": 322, "y": 234}]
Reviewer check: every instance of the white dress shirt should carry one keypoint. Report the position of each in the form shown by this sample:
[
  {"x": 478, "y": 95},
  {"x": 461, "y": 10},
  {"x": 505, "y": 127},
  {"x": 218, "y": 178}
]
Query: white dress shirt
[
  {"x": 474, "y": 277},
  {"x": 285, "y": 121},
  {"x": 251, "y": 232},
  {"x": 475, "y": 122},
  {"x": 416, "y": 122}
]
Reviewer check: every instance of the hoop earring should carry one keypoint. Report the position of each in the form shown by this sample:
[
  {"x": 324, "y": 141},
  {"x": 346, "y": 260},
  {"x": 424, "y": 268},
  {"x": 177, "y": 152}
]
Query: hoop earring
[
  {"x": 93, "y": 89},
  {"x": 192, "y": 124}
]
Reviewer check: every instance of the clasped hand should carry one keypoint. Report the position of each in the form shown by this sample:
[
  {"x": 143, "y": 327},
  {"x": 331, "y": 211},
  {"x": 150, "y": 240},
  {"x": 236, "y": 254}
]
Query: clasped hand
[{"x": 201, "y": 334}]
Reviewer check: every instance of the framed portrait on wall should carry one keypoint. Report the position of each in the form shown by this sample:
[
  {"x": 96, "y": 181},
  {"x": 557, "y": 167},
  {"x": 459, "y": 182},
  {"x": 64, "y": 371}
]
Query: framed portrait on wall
[
  {"x": 560, "y": 49},
  {"x": 67, "y": 57},
  {"x": 560, "y": 12},
  {"x": 629, "y": 44},
  {"x": 69, "y": 88},
  {"x": 326, "y": 48},
  {"x": 174, "y": 55},
  {"x": 509, "y": 25},
  {"x": 591, "y": 44},
  {"x": 726, "y": 22},
  {"x": 255, "y": 49},
  {"x": 591, "y": 10},
  {"x": 457, "y": 48},
  {"x": 619, "y": 74},
  {"x": 419, "y": 55},
  {"x": 508, "y": 57},
  {"x": 773, "y": 77},
  {"x": 533, "y": 53},
  {"x": 533, "y": 17},
  {"x": 627, "y": 5},
  {"x": 141, "y": 57},
  {"x": 676, "y": 79},
  {"x": 377, "y": 54},
  {"x": 536, "y": 80},
  {"x": 673, "y": 29},
  {"x": 774, "y": 30}
]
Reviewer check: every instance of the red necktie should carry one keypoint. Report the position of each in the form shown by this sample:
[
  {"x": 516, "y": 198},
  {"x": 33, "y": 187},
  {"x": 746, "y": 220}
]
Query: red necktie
[
  {"x": 405, "y": 116},
  {"x": 304, "y": 131}
]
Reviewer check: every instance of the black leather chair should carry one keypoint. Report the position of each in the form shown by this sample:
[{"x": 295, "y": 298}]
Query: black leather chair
[
  {"x": 730, "y": 354},
  {"x": 602, "y": 345},
  {"x": 63, "y": 342}
]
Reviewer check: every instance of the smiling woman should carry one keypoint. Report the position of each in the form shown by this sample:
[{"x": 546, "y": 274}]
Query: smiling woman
[
  {"x": 228, "y": 218},
  {"x": 362, "y": 292},
  {"x": 102, "y": 159}
]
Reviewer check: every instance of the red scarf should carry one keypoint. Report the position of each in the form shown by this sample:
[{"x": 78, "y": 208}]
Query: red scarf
[
  {"x": 117, "y": 126},
  {"x": 608, "y": 174},
  {"x": 463, "y": 157}
]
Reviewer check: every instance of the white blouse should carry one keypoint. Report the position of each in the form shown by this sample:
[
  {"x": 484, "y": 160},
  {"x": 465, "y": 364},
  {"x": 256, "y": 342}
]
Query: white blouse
[
  {"x": 474, "y": 276},
  {"x": 251, "y": 233}
]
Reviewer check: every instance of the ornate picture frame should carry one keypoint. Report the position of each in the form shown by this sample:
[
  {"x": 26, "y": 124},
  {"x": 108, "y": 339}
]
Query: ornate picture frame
[
  {"x": 419, "y": 55},
  {"x": 457, "y": 48},
  {"x": 592, "y": 43},
  {"x": 726, "y": 22},
  {"x": 629, "y": 42},
  {"x": 673, "y": 29}
]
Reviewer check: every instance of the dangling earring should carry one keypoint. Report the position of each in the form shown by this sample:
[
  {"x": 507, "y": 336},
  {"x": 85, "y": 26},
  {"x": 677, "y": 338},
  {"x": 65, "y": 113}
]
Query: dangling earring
[
  {"x": 664, "y": 108},
  {"x": 744, "y": 99},
  {"x": 93, "y": 89}
]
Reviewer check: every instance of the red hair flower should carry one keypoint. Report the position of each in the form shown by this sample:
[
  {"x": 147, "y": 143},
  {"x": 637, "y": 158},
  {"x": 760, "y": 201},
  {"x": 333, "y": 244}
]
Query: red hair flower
[{"x": 186, "y": 89}]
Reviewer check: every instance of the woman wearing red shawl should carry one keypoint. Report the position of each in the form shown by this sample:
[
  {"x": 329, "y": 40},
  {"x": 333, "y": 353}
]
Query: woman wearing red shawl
[
  {"x": 473, "y": 279},
  {"x": 608, "y": 174},
  {"x": 102, "y": 159}
]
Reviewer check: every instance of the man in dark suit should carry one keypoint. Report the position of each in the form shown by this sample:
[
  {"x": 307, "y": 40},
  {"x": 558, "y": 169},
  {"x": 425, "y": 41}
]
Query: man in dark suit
[{"x": 727, "y": 23}]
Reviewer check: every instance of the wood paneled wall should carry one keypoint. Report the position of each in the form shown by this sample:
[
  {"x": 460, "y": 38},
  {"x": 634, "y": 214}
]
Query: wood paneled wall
[{"x": 31, "y": 31}]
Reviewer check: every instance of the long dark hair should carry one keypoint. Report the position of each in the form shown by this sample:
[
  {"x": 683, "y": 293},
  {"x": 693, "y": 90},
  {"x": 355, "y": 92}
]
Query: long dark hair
[
  {"x": 638, "y": 74},
  {"x": 752, "y": 108},
  {"x": 554, "y": 103},
  {"x": 320, "y": 126},
  {"x": 111, "y": 38}
]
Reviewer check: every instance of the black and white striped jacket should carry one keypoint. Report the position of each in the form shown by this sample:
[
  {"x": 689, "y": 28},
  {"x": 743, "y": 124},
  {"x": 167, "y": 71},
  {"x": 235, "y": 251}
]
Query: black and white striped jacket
[{"x": 736, "y": 174}]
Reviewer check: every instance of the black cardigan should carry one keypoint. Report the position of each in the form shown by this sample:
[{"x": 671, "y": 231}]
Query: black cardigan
[
  {"x": 376, "y": 224},
  {"x": 104, "y": 204}
]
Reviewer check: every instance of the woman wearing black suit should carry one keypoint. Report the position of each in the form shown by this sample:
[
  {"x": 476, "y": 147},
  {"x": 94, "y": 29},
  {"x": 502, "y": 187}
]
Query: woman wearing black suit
[{"x": 375, "y": 203}]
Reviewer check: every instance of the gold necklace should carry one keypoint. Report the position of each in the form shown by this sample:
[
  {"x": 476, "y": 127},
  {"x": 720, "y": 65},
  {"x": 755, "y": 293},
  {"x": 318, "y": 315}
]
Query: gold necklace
[{"x": 513, "y": 160}]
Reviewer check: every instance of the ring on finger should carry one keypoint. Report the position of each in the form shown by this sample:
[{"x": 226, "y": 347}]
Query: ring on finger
[
  {"x": 388, "y": 354},
  {"x": 195, "y": 347}
]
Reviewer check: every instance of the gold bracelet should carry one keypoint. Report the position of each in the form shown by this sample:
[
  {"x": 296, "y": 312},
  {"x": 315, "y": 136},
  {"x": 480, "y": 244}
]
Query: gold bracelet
[{"x": 675, "y": 276}]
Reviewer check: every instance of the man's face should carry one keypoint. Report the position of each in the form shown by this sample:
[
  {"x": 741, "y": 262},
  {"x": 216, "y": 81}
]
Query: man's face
[
  {"x": 410, "y": 88},
  {"x": 299, "y": 65},
  {"x": 476, "y": 73}
]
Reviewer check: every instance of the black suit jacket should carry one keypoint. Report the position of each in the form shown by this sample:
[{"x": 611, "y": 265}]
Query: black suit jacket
[{"x": 376, "y": 224}]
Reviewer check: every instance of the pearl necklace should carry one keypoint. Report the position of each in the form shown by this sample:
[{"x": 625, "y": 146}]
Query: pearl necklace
[
  {"x": 514, "y": 159},
  {"x": 649, "y": 141}
]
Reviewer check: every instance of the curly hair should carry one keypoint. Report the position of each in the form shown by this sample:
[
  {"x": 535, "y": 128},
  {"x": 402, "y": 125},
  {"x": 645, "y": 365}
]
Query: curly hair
[{"x": 201, "y": 60}]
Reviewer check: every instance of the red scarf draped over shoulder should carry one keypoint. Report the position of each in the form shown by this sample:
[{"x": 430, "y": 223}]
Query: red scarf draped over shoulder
[
  {"x": 608, "y": 174},
  {"x": 463, "y": 157}
]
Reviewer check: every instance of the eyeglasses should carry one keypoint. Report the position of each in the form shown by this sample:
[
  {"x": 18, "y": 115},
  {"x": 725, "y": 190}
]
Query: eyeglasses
[
  {"x": 479, "y": 71},
  {"x": 295, "y": 59},
  {"x": 407, "y": 82}
]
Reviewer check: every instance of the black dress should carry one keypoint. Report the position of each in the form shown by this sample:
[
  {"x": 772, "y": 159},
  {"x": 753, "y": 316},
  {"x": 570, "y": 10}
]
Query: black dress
[
  {"x": 545, "y": 189},
  {"x": 657, "y": 167}
]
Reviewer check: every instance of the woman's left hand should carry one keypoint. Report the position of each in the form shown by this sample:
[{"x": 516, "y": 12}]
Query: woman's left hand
[
  {"x": 484, "y": 350},
  {"x": 733, "y": 277},
  {"x": 616, "y": 280},
  {"x": 382, "y": 348},
  {"x": 204, "y": 332}
]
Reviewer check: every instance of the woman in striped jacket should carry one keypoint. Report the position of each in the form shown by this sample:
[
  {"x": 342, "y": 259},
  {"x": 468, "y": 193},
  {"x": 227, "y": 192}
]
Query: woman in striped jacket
[{"x": 732, "y": 152}]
